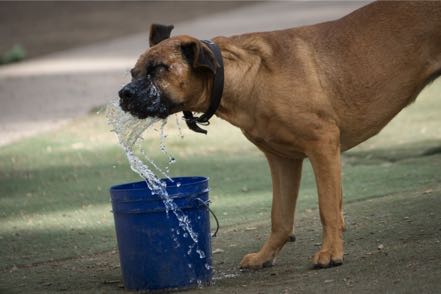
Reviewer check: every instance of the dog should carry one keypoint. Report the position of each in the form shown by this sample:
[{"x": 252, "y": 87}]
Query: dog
[{"x": 307, "y": 92}]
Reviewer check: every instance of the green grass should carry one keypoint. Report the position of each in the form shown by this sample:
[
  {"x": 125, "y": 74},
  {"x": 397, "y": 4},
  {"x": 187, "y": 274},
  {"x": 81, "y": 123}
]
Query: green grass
[
  {"x": 54, "y": 200},
  {"x": 15, "y": 54}
]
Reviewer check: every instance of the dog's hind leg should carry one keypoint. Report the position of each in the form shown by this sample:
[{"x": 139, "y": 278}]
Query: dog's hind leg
[{"x": 286, "y": 174}]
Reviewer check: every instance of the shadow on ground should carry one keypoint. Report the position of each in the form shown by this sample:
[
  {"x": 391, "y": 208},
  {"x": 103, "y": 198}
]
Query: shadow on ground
[
  {"x": 392, "y": 245},
  {"x": 63, "y": 211},
  {"x": 65, "y": 227}
]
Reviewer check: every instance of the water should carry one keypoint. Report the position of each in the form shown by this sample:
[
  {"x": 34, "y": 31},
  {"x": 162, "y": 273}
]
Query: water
[
  {"x": 222, "y": 276},
  {"x": 201, "y": 253},
  {"x": 178, "y": 124},
  {"x": 129, "y": 130},
  {"x": 163, "y": 136},
  {"x": 190, "y": 248}
]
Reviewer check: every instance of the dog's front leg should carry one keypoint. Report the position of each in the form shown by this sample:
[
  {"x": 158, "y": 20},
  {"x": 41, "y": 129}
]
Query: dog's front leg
[
  {"x": 286, "y": 174},
  {"x": 325, "y": 160}
]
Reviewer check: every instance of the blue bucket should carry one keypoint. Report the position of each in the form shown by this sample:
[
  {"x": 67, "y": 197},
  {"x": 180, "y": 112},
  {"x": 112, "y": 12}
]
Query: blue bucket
[{"x": 155, "y": 253}]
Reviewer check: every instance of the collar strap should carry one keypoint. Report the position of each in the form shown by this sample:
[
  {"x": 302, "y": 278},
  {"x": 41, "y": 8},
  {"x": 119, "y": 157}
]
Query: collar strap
[{"x": 216, "y": 93}]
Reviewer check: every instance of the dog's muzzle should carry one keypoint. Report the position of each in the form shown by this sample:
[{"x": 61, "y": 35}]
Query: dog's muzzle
[{"x": 142, "y": 99}]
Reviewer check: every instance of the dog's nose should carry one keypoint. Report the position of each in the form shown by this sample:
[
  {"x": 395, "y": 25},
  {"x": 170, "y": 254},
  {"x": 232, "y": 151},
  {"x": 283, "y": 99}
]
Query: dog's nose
[{"x": 127, "y": 92}]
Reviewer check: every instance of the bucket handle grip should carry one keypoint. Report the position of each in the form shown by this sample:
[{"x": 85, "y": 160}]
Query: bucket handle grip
[{"x": 205, "y": 203}]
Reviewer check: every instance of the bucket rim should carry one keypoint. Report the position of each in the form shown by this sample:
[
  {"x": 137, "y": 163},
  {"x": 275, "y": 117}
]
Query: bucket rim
[{"x": 198, "y": 180}]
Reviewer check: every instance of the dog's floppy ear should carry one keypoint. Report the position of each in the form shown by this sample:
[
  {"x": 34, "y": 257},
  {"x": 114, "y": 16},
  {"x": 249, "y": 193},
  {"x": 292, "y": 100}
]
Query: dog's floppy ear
[
  {"x": 159, "y": 32},
  {"x": 198, "y": 55}
]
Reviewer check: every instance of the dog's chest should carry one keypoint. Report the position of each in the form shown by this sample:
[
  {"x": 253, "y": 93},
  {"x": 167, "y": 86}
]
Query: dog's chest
[{"x": 274, "y": 142}]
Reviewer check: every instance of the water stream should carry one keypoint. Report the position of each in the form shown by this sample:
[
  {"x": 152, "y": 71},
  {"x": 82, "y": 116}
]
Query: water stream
[{"x": 130, "y": 130}]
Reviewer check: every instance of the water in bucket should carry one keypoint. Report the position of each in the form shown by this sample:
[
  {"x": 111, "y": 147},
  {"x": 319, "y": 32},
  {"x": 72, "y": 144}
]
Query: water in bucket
[{"x": 149, "y": 240}]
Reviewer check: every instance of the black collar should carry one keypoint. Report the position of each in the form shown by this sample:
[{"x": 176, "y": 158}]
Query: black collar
[{"x": 216, "y": 93}]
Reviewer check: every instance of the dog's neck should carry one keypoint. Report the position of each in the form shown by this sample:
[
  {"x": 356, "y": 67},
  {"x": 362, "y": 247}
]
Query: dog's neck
[{"x": 237, "y": 98}]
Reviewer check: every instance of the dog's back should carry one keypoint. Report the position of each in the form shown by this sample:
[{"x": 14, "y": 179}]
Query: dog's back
[
  {"x": 370, "y": 64},
  {"x": 376, "y": 61}
]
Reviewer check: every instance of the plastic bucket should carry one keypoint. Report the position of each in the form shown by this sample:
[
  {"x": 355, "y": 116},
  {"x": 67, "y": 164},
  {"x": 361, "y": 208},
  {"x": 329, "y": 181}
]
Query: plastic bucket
[{"x": 155, "y": 253}]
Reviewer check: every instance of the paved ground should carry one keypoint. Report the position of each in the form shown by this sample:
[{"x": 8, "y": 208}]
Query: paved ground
[
  {"x": 43, "y": 27},
  {"x": 44, "y": 92}
]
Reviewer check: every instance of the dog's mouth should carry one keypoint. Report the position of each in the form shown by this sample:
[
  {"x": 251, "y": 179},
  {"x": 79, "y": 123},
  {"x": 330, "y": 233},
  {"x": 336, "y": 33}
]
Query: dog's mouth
[{"x": 142, "y": 99}]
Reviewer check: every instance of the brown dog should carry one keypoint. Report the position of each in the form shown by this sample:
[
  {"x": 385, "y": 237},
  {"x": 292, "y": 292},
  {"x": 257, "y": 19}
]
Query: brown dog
[{"x": 311, "y": 92}]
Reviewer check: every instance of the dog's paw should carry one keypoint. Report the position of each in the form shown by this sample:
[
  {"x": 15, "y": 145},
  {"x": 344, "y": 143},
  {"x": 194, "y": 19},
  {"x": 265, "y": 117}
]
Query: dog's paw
[
  {"x": 326, "y": 258},
  {"x": 292, "y": 237},
  {"x": 256, "y": 261}
]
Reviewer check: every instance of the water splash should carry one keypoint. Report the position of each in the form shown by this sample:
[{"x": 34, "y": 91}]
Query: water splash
[
  {"x": 222, "y": 276},
  {"x": 163, "y": 136},
  {"x": 201, "y": 253},
  {"x": 178, "y": 124},
  {"x": 129, "y": 130},
  {"x": 190, "y": 248}
]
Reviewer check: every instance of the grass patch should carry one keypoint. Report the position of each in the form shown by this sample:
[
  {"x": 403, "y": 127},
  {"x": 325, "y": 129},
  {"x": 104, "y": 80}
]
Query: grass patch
[
  {"x": 15, "y": 54},
  {"x": 54, "y": 200}
]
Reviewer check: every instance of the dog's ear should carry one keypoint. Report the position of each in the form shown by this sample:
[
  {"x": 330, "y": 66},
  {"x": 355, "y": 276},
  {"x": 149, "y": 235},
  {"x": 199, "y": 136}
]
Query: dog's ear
[
  {"x": 158, "y": 33},
  {"x": 198, "y": 55}
]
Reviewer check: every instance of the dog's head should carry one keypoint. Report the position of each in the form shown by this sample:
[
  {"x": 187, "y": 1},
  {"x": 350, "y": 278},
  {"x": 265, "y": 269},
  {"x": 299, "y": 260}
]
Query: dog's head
[{"x": 172, "y": 76}]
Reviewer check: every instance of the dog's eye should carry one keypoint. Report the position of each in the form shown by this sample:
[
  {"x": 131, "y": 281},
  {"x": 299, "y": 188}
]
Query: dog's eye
[
  {"x": 161, "y": 68},
  {"x": 157, "y": 68}
]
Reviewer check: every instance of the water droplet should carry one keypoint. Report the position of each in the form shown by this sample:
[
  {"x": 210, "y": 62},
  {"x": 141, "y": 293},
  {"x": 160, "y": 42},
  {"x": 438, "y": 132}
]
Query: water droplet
[
  {"x": 201, "y": 253},
  {"x": 207, "y": 266},
  {"x": 179, "y": 127},
  {"x": 178, "y": 184},
  {"x": 190, "y": 248}
]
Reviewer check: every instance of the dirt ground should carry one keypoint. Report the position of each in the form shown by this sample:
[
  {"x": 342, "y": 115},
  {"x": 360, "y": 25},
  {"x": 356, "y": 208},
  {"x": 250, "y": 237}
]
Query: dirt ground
[{"x": 387, "y": 251}]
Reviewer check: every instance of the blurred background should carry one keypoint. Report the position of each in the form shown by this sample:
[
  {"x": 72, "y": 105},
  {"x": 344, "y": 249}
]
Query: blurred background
[
  {"x": 74, "y": 56},
  {"x": 62, "y": 62}
]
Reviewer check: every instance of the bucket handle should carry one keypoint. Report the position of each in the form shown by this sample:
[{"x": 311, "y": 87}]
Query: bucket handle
[{"x": 205, "y": 204}]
